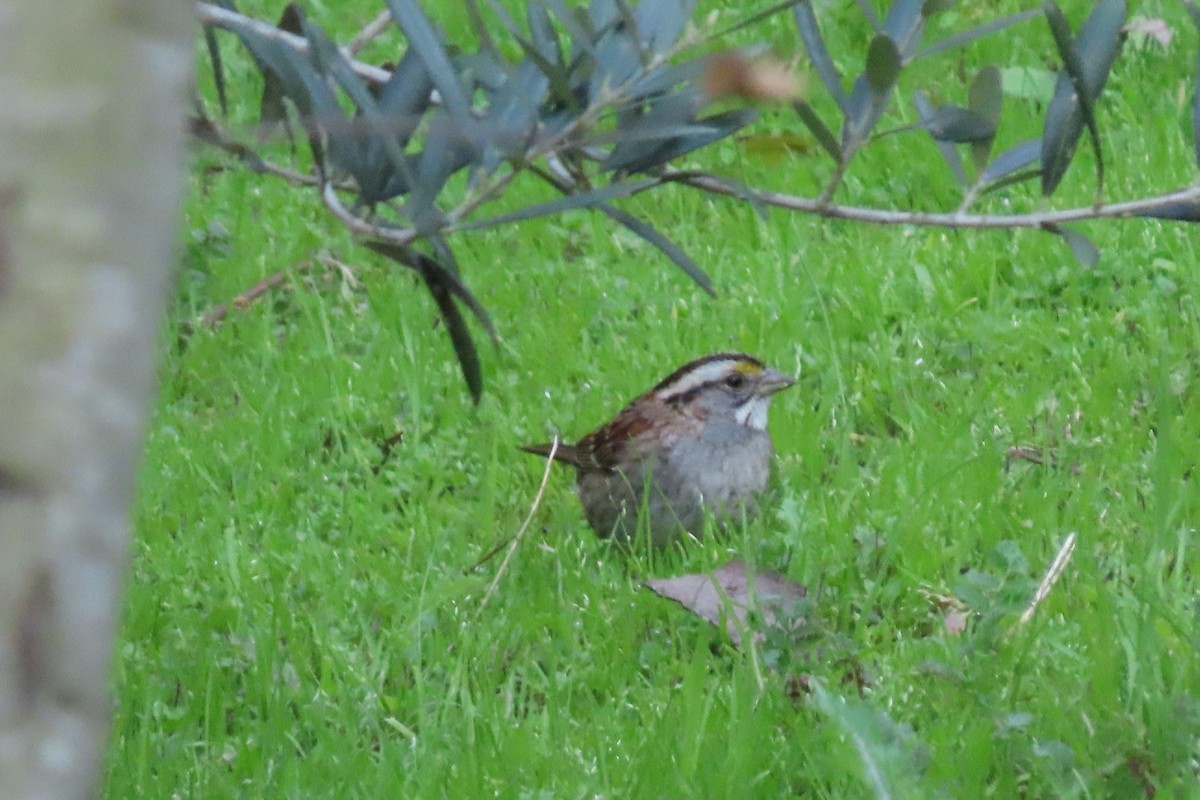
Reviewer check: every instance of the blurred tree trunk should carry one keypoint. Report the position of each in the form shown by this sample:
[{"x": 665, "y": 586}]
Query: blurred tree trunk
[{"x": 92, "y": 95}]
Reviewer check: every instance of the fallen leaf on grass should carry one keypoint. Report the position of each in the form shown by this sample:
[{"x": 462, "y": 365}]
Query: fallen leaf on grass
[
  {"x": 1145, "y": 29},
  {"x": 731, "y": 593},
  {"x": 1036, "y": 455},
  {"x": 955, "y": 622}
]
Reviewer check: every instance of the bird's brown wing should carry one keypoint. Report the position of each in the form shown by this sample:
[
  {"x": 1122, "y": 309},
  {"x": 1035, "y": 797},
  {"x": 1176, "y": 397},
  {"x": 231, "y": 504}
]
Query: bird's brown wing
[
  {"x": 614, "y": 443},
  {"x": 606, "y": 447}
]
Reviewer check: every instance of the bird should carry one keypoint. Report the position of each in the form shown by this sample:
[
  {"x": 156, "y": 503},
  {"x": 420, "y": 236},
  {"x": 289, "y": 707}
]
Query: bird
[{"x": 694, "y": 445}]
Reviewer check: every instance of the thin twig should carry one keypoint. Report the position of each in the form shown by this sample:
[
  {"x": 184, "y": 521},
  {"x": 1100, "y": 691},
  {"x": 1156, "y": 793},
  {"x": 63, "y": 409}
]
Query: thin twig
[
  {"x": 516, "y": 540},
  {"x": 218, "y": 312},
  {"x": 368, "y": 32},
  {"x": 205, "y": 130},
  {"x": 356, "y": 224},
  {"x": 341, "y": 267},
  {"x": 835, "y": 181},
  {"x": 882, "y": 216},
  {"x": 1052, "y": 574},
  {"x": 218, "y": 17}
]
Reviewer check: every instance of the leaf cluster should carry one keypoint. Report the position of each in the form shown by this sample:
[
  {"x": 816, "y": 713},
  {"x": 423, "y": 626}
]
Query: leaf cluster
[{"x": 599, "y": 102}]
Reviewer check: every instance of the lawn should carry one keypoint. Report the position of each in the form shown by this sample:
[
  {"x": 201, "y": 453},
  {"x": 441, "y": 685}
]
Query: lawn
[{"x": 302, "y": 617}]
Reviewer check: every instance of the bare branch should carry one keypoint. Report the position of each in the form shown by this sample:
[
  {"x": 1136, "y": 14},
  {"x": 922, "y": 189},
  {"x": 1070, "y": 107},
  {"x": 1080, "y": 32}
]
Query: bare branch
[
  {"x": 368, "y": 32},
  {"x": 218, "y": 17},
  {"x": 956, "y": 219},
  {"x": 356, "y": 224},
  {"x": 217, "y": 313}
]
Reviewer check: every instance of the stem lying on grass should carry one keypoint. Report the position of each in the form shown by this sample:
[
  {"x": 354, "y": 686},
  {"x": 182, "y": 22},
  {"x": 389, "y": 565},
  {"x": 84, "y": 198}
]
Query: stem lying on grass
[
  {"x": 1052, "y": 574},
  {"x": 516, "y": 540},
  {"x": 217, "y": 313}
]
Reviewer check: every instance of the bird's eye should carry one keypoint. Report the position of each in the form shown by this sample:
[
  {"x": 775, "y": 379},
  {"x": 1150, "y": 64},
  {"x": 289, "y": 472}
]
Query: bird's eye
[{"x": 735, "y": 381}]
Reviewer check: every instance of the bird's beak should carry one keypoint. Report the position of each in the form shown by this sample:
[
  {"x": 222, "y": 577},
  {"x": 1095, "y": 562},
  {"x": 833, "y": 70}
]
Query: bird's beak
[{"x": 772, "y": 381}]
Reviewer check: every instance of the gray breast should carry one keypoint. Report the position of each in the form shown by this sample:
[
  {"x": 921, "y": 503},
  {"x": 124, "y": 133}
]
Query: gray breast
[{"x": 721, "y": 473}]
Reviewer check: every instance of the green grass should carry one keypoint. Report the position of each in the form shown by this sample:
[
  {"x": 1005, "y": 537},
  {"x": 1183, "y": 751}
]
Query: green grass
[{"x": 300, "y": 621}]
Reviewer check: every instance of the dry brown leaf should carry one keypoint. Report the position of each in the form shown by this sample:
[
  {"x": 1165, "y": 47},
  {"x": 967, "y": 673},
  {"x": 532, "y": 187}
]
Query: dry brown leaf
[
  {"x": 731, "y": 593},
  {"x": 955, "y": 622},
  {"x": 1150, "y": 28}
]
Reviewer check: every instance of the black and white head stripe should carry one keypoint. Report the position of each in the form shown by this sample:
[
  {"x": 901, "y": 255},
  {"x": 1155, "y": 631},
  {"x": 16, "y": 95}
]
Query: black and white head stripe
[{"x": 705, "y": 371}]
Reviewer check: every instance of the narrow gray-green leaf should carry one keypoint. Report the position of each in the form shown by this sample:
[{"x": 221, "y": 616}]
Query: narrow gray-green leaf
[
  {"x": 448, "y": 274},
  {"x": 541, "y": 32},
  {"x": 659, "y": 79},
  {"x": 581, "y": 39},
  {"x": 443, "y": 286},
  {"x": 978, "y": 32},
  {"x": 1194, "y": 12},
  {"x": 640, "y": 135},
  {"x": 1079, "y": 85},
  {"x": 822, "y": 133},
  {"x": 955, "y": 124},
  {"x": 665, "y": 245},
  {"x": 214, "y": 57},
  {"x": 1012, "y": 178},
  {"x": 372, "y": 176},
  {"x": 950, "y": 155},
  {"x": 584, "y": 199},
  {"x": 1014, "y": 158},
  {"x": 1081, "y": 247},
  {"x": 1098, "y": 43},
  {"x": 445, "y": 153},
  {"x": 617, "y": 60},
  {"x": 883, "y": 63},
  {"x": 406, "y": 95},
  {"x": 661, "y": 23},
  {"x": 512, "y": 120},
  {"x": 603, "y": 14},
  {"x": 647, "y": 155},
  {"x": 863, "y": 110},
  {"x": 421, "y": 36},
  {"x": 460, "y": 336},
  {"x": 871, "y": 93},
  {"x": 319, "y": 110},
  {"x": 1178, "y": 212},
  {"x": 904, "y": 24},
  {"x": 814, "y": 45}
]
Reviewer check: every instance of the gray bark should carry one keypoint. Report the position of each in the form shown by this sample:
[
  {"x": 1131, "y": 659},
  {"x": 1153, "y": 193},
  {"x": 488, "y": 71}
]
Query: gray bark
[{"x": 92, "y": 95}]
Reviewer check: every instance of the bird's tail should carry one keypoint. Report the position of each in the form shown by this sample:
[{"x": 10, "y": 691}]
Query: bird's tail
[{"x": 563, "y": 454}]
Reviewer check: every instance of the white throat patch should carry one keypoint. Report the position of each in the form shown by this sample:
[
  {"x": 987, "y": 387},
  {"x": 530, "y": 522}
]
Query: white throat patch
[{"x": 753, "y": 413}]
